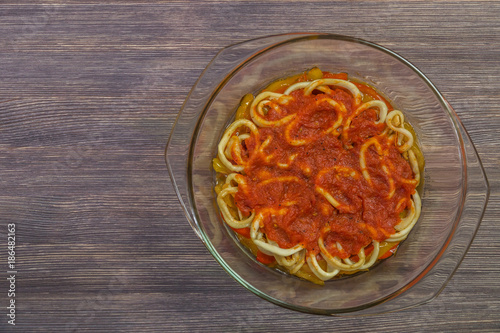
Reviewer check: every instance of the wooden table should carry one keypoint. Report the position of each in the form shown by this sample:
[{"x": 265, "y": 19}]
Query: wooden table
[{"x": 88, "y": 96}]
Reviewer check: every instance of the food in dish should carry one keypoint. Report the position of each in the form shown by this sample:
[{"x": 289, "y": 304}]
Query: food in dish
[{"x": 318, "y": 175}]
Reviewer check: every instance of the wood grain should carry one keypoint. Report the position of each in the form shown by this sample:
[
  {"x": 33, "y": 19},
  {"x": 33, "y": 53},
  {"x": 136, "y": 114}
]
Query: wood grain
[{"x": 88, "y": 94}]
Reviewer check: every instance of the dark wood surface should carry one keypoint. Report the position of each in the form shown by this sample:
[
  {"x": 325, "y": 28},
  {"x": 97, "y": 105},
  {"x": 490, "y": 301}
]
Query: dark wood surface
[{"x": 88, "y": 95}]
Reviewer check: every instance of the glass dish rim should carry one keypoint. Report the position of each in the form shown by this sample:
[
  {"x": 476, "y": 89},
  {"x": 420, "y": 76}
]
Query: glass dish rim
[{"x": 295, "y": 37}]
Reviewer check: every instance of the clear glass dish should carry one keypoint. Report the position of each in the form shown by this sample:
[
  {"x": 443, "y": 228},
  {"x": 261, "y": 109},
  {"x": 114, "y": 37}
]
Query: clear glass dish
[{"x": 455, "y": 189}]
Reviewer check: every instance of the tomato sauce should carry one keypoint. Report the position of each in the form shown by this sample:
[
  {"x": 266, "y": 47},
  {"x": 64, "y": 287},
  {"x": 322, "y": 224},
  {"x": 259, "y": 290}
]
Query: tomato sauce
[{"x": 284, "y": 176}]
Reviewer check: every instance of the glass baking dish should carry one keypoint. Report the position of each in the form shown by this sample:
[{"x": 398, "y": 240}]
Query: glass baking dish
[{"x": 455, "y": 190}]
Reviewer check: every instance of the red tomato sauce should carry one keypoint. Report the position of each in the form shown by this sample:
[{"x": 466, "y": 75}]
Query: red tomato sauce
[{"x": 284, "y": 176}]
